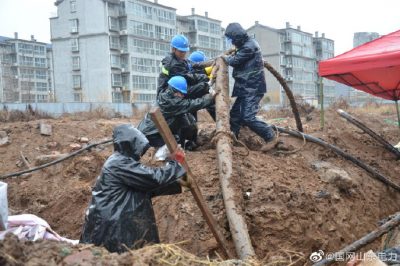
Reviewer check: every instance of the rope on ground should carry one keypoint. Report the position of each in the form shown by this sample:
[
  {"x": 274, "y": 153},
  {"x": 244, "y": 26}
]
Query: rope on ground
[
  {"x": 72, "y": 154},
  {"x": 292, "y": 151},
  {"x": 231, "y": 136}
]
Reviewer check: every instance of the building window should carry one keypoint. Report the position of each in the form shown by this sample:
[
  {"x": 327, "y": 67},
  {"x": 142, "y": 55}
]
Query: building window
[
  {"x": 141, "y": 28},
  {"x": 115, "y": 61},
  {"x": 202, "y": 25},
  {"x": 165, "y": 16},
  {"x": 27, "y": 73},
  {"x": 25, "y": 48},
  {"x": 164, "y": 33},
  {"x": 74, "y": 45},
  {"x": 116, "y": 97},
  {"x": 145, "y": 97},
  {"x": 72, "y": 5},
  {"x": 139, "y": 10},
  {"x": 77, "y": 97},
  {"x": 113, "y": 23},
  {"x": 41, "y": 86},
  {"x": 143, "y": 65},
  {"x": 41, "y": 74},
  {"x": 40, "y": 50},
  {"x": 74, "y": 25},
  {"x": 76, "y": 81},
  {"x": 162, "y": 48},
  {"x": 116, "y": 80},
  {"x": 76, "y": 63},
  {"x": 40, "y": 62},
  {"x": 214, "y": 43},
  {"x": 215, "y": 28},
  {"x": 114, "y": 42},
  {"x": 204, "y": 41},
  {"x": 143, "y": 83},
  {"x": 142, "y": 46},
  {"x": 41, "y": 98},
  {"x": 26, "y": 60}
]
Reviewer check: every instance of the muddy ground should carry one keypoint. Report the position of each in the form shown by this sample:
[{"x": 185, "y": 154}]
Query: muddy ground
[{"x": 292, "y": 204}]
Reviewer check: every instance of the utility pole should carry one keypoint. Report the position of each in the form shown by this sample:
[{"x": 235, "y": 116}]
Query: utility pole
[{"x": 321, "y": 101}]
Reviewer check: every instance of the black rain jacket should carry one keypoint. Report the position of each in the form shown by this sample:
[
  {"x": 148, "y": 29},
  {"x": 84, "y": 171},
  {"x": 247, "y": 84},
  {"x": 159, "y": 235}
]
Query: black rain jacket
[
  {"x": 247, "y": 63},
  {"x": 121, "y": 211},
  {"x": 172, "y": 66},
  {"x": 173, "y": 109}
]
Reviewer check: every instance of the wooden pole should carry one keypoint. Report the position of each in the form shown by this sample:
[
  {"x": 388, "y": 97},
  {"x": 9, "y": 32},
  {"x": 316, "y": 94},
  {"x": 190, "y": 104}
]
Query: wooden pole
[
  {"x": 230, "y": 190},
  {"x": 289, "y": 94},
  {"x": 376, "y": 175},
  {"x": 365, "y": 240},
  {"x": 367, "y": 130},
  {"x": 172, "y": 145}
]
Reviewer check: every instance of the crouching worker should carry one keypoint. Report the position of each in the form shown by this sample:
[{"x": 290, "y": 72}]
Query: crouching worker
[
  {"x": 177, "y": 111},
  {"x": 121, "y": 213}
]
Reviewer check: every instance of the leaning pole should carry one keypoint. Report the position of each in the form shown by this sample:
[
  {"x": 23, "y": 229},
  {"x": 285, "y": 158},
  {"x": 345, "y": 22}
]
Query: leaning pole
[{"x": 230, "y": 190}]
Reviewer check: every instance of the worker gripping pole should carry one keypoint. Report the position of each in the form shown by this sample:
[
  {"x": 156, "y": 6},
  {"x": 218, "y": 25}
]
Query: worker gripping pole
[
  {"x": 170, "y": 141},
  {"x": 236, "y": 221}
]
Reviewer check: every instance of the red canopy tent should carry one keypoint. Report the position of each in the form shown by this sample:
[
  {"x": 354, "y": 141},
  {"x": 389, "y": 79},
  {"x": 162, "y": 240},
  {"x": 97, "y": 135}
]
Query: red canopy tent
[{"x": 373, "y": 67}]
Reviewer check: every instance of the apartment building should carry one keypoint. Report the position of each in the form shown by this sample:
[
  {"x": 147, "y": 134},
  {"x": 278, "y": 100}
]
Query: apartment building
[
  {"x": 110, "y": 50},
  {"x": 324, "y": 49},
  {"x": 204, "y": 33},
  {"x": 25, "y": 71},
  {"x": 293, "y": 53}
]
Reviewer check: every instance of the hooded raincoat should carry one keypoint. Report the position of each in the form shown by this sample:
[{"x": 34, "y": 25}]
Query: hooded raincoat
[
  {"x": 121, "y": 211},
  {"x": 247, "y": 63},
  {"x": 250, "y": 85}
]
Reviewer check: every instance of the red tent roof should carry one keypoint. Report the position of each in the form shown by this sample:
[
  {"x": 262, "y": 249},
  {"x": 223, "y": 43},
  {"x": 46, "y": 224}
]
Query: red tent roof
[{"x": 373, "y": 67}]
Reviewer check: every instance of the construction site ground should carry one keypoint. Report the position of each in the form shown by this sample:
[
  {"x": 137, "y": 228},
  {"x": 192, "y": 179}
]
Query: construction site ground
[{"x": 291, "y": 205}]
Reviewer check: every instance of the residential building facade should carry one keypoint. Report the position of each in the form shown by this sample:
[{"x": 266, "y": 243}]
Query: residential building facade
[
  {"x": 110, "y": 50},
  {"x": 293, "y": 53},
  {"x": 204, "y": 33},
  {"x": 25, "y": 71},
  {"x": 324, "y": 49},
  {"x": 364, "y": 37}
]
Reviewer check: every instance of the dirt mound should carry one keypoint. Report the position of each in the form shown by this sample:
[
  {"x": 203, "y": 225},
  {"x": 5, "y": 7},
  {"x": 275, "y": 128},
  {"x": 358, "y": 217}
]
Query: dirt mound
[{"x": 293, "y": 203}]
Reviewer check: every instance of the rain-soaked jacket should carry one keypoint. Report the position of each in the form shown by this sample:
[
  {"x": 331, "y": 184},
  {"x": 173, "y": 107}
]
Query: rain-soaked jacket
[
  {"x": 247, "y": 63},
  {"x": 174, "y": 109},
  {"x": 172, "y": 66},
  {"x": 121, "y": 210}
]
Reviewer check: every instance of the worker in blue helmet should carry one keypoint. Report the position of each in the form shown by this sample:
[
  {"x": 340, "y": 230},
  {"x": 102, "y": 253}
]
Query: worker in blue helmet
[
  {"x": 197, "y": 57},
  {"x": 176, "y": 64},
  {"x": 177, "y": 110},
  {"x": 202, "y": 88}
]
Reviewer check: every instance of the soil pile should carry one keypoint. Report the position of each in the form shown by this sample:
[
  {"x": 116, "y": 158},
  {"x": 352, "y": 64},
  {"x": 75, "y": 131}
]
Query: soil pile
[{"x": 294, "y": 203}]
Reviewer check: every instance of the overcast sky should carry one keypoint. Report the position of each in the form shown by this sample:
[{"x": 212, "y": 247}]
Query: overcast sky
[{"x": 338, "y": 19}]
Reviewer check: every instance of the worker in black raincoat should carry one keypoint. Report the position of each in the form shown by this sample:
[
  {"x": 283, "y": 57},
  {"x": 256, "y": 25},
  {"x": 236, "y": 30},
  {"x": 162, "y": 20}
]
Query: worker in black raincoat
[
  {"x": 176, "y": 64},
  {"x": 250, "y": 85},
  {"x": 177, "y": 111},
  {"x": 121, "y": 212}
]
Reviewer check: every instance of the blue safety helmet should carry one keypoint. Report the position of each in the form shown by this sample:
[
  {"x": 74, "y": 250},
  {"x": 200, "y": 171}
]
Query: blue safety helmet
[
  {"x": 178, "y": 83},
  {"x": 180, "y": 42},
  {"x": 197, "y": 57}
]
